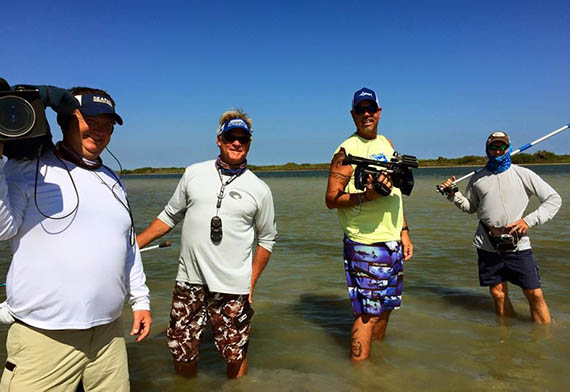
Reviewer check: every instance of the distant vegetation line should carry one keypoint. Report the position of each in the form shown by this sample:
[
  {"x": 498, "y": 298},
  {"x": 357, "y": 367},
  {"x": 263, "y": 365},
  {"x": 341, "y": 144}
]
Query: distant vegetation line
[{"x": 540, "y": 157}]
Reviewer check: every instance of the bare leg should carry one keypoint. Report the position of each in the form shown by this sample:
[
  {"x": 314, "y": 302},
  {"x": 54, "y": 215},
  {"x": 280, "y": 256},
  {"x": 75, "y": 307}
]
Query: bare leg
[
  {"x": 538, "y": 308},
  {"x": 503, "y": 305},
  {"x": 237, "y": 369},
  {"x": 361, "y": 337},
  {"x": 380, "y": 328},
  {"x": 186, "y": 369}
]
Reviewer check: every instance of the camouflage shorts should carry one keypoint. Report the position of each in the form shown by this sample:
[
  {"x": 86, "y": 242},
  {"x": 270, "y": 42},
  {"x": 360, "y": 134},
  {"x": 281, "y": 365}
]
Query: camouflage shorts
[{"x": 192, "y": 306}]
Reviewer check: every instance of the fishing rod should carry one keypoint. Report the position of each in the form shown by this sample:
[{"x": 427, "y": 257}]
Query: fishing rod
[
  {"x": 163, "y": 244},
  {"x": 453, "y": 186}
]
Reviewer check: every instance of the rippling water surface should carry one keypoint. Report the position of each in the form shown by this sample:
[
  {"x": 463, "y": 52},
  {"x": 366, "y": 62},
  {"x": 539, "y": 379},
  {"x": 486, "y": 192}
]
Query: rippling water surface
[{"x": 444, "y": 337}]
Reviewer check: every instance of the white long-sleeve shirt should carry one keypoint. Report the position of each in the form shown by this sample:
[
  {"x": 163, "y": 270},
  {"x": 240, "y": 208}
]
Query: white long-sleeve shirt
[
  {"x": 70, "y": 273},
  {"x": 246, "y": 211},
  {"x": 501, "y": 199}
]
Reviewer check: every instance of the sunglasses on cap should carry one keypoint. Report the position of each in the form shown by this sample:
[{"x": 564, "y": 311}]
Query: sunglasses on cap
[
  {"x": 363, "y": 109},
  {"x": 502, "y": 147},
  {"x": 232, "y": 138}
]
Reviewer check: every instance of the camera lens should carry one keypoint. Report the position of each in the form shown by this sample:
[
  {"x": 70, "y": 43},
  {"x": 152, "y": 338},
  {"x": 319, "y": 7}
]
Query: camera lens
[{"x": 17, "y": 116}]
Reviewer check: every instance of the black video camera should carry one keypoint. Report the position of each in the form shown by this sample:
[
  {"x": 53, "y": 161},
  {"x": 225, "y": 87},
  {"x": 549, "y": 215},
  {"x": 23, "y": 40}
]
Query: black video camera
[
  {"x": 399, "y": 169},
  {"x": 23, "y": 124}
]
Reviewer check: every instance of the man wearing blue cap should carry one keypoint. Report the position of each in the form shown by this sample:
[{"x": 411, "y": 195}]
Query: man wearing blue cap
[
  {"x": 75, "y": 260},
  {"x": 217, "y": 269},
  {"x": 376, "y": 236}
]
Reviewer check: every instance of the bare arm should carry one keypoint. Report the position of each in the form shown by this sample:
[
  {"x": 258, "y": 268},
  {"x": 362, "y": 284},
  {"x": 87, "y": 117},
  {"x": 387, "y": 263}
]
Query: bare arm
[
  {"x": 339, "y": 176},
  {"x": 260, "y": 260},
  {"x": 155, "y": 230}
]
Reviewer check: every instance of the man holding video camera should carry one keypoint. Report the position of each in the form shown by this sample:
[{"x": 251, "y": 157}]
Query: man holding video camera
[
  {"x": 217, "y": 270},
  {"x": 499, "y": 194},
  {"x": 376, "y": 236},
  {"x": 74, "y": 257}
]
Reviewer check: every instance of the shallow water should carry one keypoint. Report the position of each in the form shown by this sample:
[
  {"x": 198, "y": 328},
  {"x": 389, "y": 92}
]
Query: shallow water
[{"x": 445, "y": 336}]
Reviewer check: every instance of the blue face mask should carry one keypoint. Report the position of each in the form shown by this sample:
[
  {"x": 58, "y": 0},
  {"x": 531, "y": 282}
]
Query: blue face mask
[{"x": 499, "y": 164}]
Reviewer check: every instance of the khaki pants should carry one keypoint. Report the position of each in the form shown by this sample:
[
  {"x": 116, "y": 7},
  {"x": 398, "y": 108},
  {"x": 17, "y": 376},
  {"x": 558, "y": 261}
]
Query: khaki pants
[{"x": 44, "y": 360}]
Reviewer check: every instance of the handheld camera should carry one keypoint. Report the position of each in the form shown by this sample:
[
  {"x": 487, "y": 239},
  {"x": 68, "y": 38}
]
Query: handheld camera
[{"x": 399, "y": 169}]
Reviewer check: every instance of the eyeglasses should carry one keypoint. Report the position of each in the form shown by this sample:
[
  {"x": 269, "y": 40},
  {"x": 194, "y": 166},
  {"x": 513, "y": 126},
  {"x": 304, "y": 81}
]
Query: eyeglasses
[
  {"x": 232, "y": 138},
  {"x": 502, "y": 147},
  {"x": 372, "y": 109}
]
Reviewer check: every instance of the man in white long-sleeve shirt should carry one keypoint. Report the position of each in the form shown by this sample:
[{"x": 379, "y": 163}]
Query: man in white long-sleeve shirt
[
  {"x": 225, "y": 207},
  {"x": 75, "y": 260},
  {"x": 499, "y": 194}
]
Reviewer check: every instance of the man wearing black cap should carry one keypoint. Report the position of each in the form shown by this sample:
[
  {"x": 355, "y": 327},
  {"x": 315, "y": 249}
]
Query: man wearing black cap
[
  {"x": 376, "y": 236},
  {"x": 217, "y": 269},
  {"x": 499, "y": 194},
  {"x": 74, "y": 260}
]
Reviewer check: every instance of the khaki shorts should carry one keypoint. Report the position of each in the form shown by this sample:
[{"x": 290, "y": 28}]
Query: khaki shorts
[
  {"x": 42, "y": 360},
  {"x": 192, "y": 306}
]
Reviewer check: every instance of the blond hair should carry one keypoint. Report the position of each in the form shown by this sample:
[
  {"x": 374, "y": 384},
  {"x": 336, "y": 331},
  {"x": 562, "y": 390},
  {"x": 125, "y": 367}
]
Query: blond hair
[{"x": 234, "y": 114}]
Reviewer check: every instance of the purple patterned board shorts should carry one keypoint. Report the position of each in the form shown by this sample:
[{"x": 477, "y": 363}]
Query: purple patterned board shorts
[
  {"x": 192, "y": 306},
  {"x": 375, "y": 276}
]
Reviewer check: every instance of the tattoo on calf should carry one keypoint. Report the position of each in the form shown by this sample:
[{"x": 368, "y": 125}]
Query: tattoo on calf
[{"x": 355, "y": 345}]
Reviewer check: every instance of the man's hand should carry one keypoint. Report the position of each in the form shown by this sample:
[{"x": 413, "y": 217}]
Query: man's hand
[
  {"x": 407, "y": 245},
  {"x": 1, "y": 149},
  {"x": 519, "y": 226},
  {"x": 448, "y": 184},
  {"x": 141, "y": 324},
  {"x": 250, "y": 297},
  {"x": 371, "y": 193}
]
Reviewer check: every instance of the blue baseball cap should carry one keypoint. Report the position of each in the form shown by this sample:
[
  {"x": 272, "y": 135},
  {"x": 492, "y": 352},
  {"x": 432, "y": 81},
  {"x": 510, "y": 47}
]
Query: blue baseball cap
[
  {"x": 95, "y": 104},
  {"x": 233, "y": 124},
  {"x": 364, "y": 94}
]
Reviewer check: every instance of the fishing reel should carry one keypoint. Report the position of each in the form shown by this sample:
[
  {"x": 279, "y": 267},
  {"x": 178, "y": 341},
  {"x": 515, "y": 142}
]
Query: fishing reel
[{"x": 447, "y": 190}]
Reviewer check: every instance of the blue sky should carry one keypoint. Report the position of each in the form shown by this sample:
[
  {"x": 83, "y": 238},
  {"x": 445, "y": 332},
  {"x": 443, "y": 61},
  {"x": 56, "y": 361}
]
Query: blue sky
[{"x": 447, "y": 72}]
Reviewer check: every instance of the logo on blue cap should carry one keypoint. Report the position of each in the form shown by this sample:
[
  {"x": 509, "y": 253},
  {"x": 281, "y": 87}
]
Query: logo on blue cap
[
  {"x": 94, "y": 105},
  {"x": 233, "y": 124},
  {"x": 364, "y": 94}
]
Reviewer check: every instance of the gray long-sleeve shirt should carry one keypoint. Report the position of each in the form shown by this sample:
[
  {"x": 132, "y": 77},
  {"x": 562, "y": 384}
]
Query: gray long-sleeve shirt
[
  {"x": 501, "y": 199},
  {"x": 247, "y": 213}
]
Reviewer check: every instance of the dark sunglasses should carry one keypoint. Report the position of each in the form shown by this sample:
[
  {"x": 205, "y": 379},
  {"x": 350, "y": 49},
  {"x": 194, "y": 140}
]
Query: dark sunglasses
[
  {"x": 372, "y": 109},
  {"x": 502, "y": 147},
  {"x": 233, "y": 138}
]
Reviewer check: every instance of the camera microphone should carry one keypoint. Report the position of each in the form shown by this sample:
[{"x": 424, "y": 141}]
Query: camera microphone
[{"x": 4, "y": 86}]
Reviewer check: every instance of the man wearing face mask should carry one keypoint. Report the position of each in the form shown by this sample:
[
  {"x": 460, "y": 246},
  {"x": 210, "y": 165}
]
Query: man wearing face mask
[
  {"x": 499, "y": 194},
  {"x": 217, "y": 268},
  {"x": 74, "y": 259}
]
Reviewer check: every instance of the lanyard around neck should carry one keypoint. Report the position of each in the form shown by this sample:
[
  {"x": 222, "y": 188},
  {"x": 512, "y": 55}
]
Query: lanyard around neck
[{"x": 222, "y": 189}]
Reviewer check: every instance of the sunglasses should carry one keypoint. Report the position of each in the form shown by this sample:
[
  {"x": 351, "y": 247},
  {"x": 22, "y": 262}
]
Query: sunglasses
[
  {"x": 502, "y": 147},
  {"x": 232, "y": 138},
  {"x": 372, "y": 109}
]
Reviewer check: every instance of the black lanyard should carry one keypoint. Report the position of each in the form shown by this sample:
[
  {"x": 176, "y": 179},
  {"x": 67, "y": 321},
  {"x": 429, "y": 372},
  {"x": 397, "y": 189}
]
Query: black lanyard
[{"x": 222, "y": 189}]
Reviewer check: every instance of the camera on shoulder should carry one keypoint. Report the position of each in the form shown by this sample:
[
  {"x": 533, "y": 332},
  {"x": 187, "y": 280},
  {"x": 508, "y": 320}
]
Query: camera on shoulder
[
  {"x": 22, "y": 115},
  {"x": 23, "y": 123}
]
